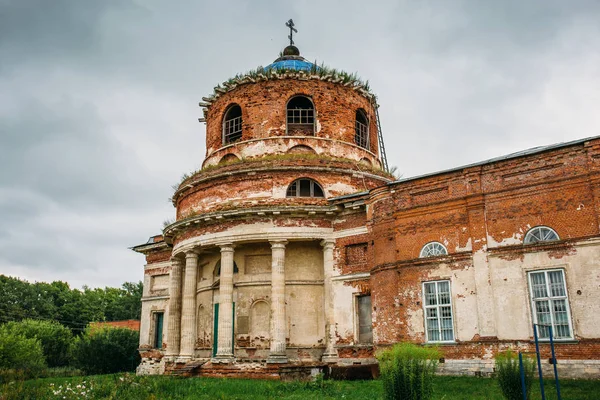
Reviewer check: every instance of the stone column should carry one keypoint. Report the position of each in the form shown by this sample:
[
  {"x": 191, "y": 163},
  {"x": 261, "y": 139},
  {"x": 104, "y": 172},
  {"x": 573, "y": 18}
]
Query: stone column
[
  {"x": 330, "y": 354},
  {"x": 225, "y": 337},
  {"x": 174, "y": 321},
  {"x": 278, "y": 321},
  {"x": 188, "y": 312}
]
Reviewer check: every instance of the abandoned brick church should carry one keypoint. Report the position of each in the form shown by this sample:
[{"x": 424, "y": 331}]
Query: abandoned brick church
[{"x": 293, "y": 246}]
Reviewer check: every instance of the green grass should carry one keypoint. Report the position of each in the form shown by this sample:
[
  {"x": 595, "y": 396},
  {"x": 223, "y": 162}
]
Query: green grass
[{"x": 127, "y": 386}]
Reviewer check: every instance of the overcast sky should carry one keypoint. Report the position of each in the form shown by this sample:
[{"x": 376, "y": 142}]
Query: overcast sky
[{"x": 98, "y": 101}]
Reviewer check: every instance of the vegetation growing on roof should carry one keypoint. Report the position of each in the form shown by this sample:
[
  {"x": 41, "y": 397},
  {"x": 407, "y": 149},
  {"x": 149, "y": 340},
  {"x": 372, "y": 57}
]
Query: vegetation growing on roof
[{"x": 321, "y": 72}]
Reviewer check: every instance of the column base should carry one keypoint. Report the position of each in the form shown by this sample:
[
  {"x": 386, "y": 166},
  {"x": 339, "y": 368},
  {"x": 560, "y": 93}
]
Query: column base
[
  {"x": 183, "y": 359},
  {"x": 170, "y": 358},
  {"x": 277, "y": 359},
  {"x": 225, "y": 359},
  {"x": 330, "y": 358}
]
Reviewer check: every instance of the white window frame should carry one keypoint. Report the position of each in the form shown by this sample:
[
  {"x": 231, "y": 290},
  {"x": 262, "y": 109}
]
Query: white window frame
[
  {"x": 550, "y": 299},
  {"x": 527, "y": 240},
  {"x": 432, "y": 244},
  {"x": 437, "y": 307}
]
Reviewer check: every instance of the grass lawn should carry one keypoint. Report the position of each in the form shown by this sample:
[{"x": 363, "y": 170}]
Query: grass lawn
[{"x": 127, "y": 386}]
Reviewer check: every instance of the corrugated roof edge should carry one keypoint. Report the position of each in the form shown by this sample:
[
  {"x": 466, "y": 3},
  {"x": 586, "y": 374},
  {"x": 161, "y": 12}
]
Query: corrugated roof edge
[{"x": 522, "y": 153}]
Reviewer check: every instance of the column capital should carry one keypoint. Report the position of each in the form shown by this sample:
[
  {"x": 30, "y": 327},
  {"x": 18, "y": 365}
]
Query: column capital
[
  {"x": 278, "y": 244},
  {"x": 226, "y": 247},
  {"x": 176, "y": 260},
  {"x": 191, "y": 254},
  {"x": 328, "y": 243}
]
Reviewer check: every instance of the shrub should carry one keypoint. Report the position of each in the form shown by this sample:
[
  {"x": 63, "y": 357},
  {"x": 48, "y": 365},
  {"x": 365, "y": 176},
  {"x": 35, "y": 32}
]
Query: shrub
[
  {"x": 55, "y": 338},
  {"x": 20, "y": 357},
  {"x": 106, "y": 350},
  {"x": 407, "y": 371},
  {"x": 509, "y": 375}
]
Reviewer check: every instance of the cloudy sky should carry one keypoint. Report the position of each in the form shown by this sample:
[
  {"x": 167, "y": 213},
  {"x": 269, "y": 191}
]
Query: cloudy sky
[{"x": 98, "y": 101}]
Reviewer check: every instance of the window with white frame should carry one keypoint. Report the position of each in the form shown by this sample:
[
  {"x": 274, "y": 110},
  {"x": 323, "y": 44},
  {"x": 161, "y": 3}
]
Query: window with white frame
[
  {"x": 437, "y": 304},
  {"x": 433, "y": 249},
  {"x": 550, "y": 303},
  {"x": 540, "y": 234}
]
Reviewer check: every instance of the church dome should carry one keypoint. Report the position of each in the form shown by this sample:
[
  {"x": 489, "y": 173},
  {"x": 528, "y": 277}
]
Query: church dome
[
  {"x": 291, "y": 60},
  {"x": 295, "y": 64}
]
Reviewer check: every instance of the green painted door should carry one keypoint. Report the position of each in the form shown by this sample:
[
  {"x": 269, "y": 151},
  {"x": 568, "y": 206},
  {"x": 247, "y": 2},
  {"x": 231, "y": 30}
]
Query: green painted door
[
  {"x": 158, "y": 333},
  {"x": 216, "y": 328}
]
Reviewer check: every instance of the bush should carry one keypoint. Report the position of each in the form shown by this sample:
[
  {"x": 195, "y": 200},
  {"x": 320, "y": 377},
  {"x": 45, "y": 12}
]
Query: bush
[
  {"x": 107, "y": 350},
  {"x": 20, "y": 357},
  {"x": 55, "y": 338},
  {"x": 407, "y": 371},
  {"x": 509, "y": 375}
]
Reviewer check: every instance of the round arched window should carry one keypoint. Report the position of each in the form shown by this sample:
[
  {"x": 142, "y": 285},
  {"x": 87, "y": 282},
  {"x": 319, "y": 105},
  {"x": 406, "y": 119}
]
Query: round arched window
[
  {"x": 433, "y": 249},
  {"x": 361, "y": 129},
  {"x": 540, "y": 234},
  {"x": 305, "y": 188},
  {"x": 232, "y": 124},
  {"x": 300, "y": 117}
]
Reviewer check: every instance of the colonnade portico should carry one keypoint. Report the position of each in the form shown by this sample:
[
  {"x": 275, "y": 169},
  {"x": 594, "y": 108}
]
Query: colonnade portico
[{"x": 182, "y": 317}]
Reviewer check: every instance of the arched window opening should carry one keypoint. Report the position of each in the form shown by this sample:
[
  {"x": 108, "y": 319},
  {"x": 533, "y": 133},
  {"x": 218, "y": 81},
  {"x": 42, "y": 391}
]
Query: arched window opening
[
  {"x": 300, "y": 117},
  {"x": 540, "y": 234},
  {"x": 433, "y": 249},
  {"x": 232, "y": 124},
  {"x": 361, "y": 129},
  {"x": 305, "y": 188},
  {"x": 218, "y": 268}
]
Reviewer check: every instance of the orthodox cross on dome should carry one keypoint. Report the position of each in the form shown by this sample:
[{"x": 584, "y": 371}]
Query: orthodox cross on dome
[{"x": 290, "y": 24}]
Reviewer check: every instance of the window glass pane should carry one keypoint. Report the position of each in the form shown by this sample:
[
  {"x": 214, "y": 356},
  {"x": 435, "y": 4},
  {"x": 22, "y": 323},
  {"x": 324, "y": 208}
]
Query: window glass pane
[
  {"x": 538, "y": 283},
  {"x": 543, "y": 317},
  {"x": 291, "y": 192},
  {"x": 430, "y": 298},
  {"x": 304, "y": 188},
  {"x": 444, "y": 292},
  {"x": 318, "y": 191},
  {"x": 557, "y": 287}
]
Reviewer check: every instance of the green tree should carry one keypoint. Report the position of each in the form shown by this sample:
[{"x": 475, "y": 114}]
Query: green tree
[
  {"x": 107, "y": 350},
  {"x": 20, "y": 354},
  {"x": 54, "y": 338}
]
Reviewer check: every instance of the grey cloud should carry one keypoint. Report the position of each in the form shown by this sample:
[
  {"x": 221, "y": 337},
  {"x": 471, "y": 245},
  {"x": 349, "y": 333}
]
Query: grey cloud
[{"x": 98, "y": 101}]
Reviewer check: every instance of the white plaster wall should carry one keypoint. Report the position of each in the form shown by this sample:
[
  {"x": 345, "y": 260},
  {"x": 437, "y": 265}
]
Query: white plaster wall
[
  {"x": 344, "y": 310},
  {"x": 512, "y": 296}
]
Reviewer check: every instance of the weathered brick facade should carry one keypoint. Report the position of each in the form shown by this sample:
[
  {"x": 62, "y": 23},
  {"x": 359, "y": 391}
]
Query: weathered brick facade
[{"x": 296, "y": 271}]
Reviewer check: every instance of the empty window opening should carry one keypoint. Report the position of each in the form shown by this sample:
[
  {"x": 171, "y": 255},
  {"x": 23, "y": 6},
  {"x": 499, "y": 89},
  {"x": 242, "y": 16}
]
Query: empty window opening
[
  {"x": 305, "y": 188},
  {"x": 540, "y": 234},
  {"x": 300, "y": 117},
  {"x": 232, "y": 124},
  {"x": 433, "y": 249},
  {"x": 365, "y": 323},
  {"x": 361, "y": 128},
  {"x": 550, "y": 304},
  {"x": 158, "y": 330},
  {"x": 437, "y": 304}
]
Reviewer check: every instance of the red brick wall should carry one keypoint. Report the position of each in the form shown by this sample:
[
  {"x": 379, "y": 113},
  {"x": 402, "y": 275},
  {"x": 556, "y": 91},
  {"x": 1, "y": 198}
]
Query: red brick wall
[{"x": 264, "y": 110}]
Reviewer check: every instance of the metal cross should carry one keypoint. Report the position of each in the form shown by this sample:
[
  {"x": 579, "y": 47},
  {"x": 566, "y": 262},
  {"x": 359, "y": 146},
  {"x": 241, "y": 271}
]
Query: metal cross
[{"x": 290, "y": 24}]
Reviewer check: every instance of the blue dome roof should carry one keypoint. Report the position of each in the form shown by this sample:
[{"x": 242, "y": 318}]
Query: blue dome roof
[{"x": 298, "y": 65}]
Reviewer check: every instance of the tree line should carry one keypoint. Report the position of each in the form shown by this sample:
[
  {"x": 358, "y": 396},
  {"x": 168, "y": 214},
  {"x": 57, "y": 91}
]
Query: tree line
[{"x": 73, "y": 308}]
